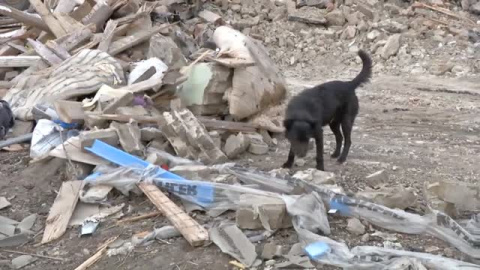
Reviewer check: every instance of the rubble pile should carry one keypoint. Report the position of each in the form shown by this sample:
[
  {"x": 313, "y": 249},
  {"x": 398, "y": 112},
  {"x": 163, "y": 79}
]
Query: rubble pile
[
  {"x": 404, "y": 37},
  {"x": 159, "y": 98}
]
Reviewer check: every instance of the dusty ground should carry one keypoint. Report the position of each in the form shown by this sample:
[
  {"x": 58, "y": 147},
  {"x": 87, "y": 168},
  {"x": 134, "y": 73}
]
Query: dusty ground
[{"x": 414, "y": 129}]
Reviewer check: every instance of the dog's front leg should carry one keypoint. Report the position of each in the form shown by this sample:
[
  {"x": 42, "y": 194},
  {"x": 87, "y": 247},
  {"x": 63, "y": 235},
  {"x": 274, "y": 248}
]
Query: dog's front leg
[
  {"x": 291, "y": 158},
  {"x": 319, "y": 144}
]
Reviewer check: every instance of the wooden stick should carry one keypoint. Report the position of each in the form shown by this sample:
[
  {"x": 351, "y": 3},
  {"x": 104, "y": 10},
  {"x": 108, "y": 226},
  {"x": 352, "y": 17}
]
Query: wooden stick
[
  {"x": 32, "y": 254},
  {"x": 24, "y": 17},
  {"x": 19, "y": 61},
  {"x": 107, "y": 35},
  {"x": 97, "y": 256},
  {"x": 135, "y": 39},
  {"x": 62, "y": 210},
  {"x": 137, "y": 218},
  {"x": 44, "y": 52},
  {"x": 48, "y": 18},
  {"x": 442, "y": 10},
  {"x": 193, "y": 232}
]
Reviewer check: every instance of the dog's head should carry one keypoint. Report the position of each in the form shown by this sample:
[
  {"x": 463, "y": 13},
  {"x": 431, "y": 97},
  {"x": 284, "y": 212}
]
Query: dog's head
[{"x": 298, "y": 133}]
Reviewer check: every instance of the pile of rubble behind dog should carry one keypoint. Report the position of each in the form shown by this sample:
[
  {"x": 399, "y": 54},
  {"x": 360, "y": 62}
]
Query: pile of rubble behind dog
[{"x": 133, "y": 96}]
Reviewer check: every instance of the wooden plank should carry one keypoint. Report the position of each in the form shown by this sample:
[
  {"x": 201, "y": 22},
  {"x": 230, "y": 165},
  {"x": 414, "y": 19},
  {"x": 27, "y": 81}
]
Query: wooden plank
[
  {"x": 107, "y": 35},
  {"x": 74, "y": 39},
  {"x": 100, "y": 13},
  {"x": 62, "y": 210},
  {"x": 45, "y": 52},
  {"x": 193, "y": 232},
  {"x": 19, "y": 61},
  {"x": 65, "y": 6},
  {"x": 59, "y": 50},
  {"x": 97, "y": 256},
  {"x": 23, "y": 17},
  {"x": 133, "y": 40},
  {"x": 227, "y": 125},
  {"x": 55, "y": 27}
]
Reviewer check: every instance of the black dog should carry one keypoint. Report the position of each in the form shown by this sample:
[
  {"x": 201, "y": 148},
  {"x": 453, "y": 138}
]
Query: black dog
[
  {"x": 6, "y": 118},
  {"x": 333, "y": 103}
]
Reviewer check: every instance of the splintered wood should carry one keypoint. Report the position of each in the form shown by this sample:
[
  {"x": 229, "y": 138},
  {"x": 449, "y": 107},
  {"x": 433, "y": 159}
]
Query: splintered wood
[
  {"x": 193, "y": 232},
  {"x": 62, "y": 210}
]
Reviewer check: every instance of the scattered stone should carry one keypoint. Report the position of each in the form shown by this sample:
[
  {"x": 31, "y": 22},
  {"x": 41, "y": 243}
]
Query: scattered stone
[
  {"x": 392, "y": 26},
  {"x": 165, "y": 49},
  {"x": 231, "y": 240},
  {"x": 373, "y": 35},
  {"x": 368, "y": 12},
  {"x": 4, "y": 203},
  {"x": 432, "y": 249},
  {"x": 300, "y": 162},
  {"x": 257, "y": 212},
  {"x": 453, "y": 196},
  {"x": 194, "y": 172},
  {"x": 366, "y": 238},
  {"x": 392, "y": 197},
  {"x": 349, "y": 32},
  {"x": 22, "y": 261},
  {"x": 316, "y": 177},
  {"x": 27, "y": 223},
  {"x": 308, "y": 15},
  {"x": 335, "y": 18},
  {"x": 313, "y": 3},
  {"x": 269, "y": 251},
  {"x": 236, "y": 145},
  {"x": 355, "y": 226},
  {"x": 148, "y": 134},
  {"x": 391, "y": 47},
  {"x": 129, "y": 136},
  {"x": 376, "y": 179},
  {"x": 297, "y": 250},
  {"x": 295, "y": 262}
]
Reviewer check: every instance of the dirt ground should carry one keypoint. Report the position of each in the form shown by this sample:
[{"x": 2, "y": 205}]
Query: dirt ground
[{"x": 416, "y": 128}]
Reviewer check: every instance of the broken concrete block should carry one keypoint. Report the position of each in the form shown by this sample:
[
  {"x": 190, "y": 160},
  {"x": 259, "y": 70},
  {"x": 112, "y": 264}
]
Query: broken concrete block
[
  {"x": 231, "y": 240},
  {"x": 22, "y": 261},
  {"x": 316, "y": 177},
  {"x": 376, "y": 179},
  {"x": 258, "y": 148},
  {"x": 129, "y": 136},
  {"x": 270, "y": 250},
  {"x": 217, "y": 139},
  {"x": 189, "y": 137},
  {"x": 392, "y": 197},
  {"x": 4, "y": 203},
  {"x": 391, "y": 47},
  {"x": 105, "y": 135},
  {"x": 258, "y": 212},
  {"x": 165, "y": 49},
  {"x": 453, "y": 196},
  {"x": 148, "y": 134},
  {"x": 355, "y": 226},
  {"x": 257, "y": 145},
  {"x": 295, "y": 262},
  {"x": 236, "y": 145},
  {"x": 335, "y": 18}
]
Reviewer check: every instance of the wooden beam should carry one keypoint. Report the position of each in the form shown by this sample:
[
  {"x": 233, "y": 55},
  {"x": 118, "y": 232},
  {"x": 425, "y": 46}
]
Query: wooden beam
[
  {"x": 133, "y": 40},
  {"x": 193, "y": 232},
  {"x": 107, "y": 35},
  {"x": 97, "y": 256},
  {"x": 227, "y": 125},
  {"x": 59, "y": 50},
  {"x": 62, "y": 210},
  {"x": 55, "y": 27},
  {"x": 19, "y": 61},
  {"x": 23, "y": 17},
  {"x": 45, "y": 52}
]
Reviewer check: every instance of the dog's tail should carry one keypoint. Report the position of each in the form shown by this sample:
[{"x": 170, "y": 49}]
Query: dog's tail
[{"x": 366, "y": 73}]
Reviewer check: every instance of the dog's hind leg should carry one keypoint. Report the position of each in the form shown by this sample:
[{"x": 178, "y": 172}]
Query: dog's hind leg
[
  {"x": 319, "y": 144},
  {"x": 291, "y": 158},
  {"x": 335, "y": 127},
  {"x": 347, "y": 124}
]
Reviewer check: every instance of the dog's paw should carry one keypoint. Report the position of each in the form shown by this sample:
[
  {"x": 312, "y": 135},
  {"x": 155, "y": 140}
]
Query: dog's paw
[
  {"x": 287, "y": 165},
  {"x": 320, "y": 167},
  {"x": 341, "y": 160},
  {"x": 335, "y": 155}
]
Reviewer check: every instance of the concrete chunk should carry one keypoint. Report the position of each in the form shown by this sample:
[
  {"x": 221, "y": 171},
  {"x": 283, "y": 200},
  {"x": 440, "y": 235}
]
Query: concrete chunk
[
  {"x": 108, "y": 136},
  {"x": 376, "y": 179},
  {"x": 257, "y": 212},
  {"x": 392, "y": 197},
  {"x": 236, "y": 145},
  {"x": 129, "y": 136},
  {"x": 316, "y": 177}
]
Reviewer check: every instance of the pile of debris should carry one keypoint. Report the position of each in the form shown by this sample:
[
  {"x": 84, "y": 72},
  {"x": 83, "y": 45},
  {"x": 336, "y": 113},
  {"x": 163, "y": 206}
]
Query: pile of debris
[{"x": 404, "y": 37}]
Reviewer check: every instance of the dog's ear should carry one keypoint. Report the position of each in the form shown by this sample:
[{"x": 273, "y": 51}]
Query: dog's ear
[{"x": 287, "y": 123}]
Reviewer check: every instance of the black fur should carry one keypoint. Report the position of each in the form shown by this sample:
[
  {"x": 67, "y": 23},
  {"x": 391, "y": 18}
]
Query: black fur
[
  {"x": 332, "y": 103},
  {"x": 7, "y": 120}
]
